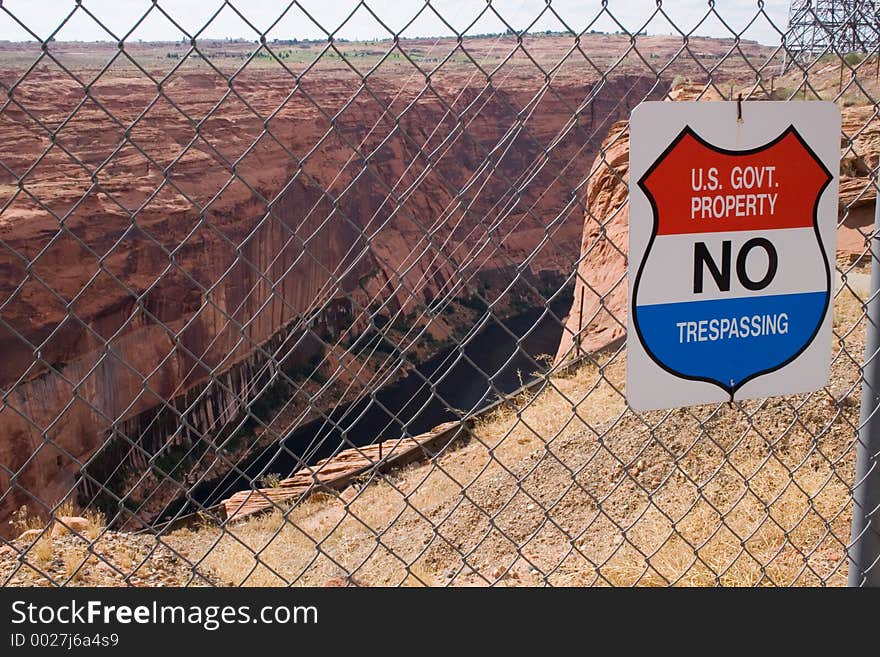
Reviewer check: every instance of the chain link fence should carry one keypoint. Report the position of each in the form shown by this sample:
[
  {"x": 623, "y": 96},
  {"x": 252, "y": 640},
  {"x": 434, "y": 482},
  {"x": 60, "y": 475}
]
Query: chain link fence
[{"x": 316, "y": 299}]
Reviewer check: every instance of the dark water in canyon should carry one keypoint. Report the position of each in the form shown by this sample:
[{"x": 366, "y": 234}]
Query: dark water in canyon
[{"x": 494, "y": 361}]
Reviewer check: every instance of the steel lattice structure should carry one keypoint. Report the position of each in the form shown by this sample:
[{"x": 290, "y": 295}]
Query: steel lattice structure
[{"x": 817, "y": 27}]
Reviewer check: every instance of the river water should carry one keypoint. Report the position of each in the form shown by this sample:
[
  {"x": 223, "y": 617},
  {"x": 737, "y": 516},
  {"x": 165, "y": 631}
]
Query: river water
[{"x": 495, "y": 361}]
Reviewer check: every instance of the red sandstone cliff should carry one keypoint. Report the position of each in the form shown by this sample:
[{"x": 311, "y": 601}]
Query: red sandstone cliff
[
  {"x": 172, "y": 237},
  {"x": 126, "y": 282}
]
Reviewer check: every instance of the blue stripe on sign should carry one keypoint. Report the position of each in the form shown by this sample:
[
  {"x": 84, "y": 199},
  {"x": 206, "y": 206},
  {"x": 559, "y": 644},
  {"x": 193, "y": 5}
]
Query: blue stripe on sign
[{"x": 730, "y": 339}]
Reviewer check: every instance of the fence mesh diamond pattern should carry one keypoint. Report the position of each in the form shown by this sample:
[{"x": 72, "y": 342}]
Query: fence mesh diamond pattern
[{"x": 332, "y": 302}]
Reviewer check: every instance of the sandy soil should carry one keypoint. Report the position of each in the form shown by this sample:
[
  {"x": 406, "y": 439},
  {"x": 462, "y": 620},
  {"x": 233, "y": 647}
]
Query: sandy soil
[{"x": 564, "y": 487}]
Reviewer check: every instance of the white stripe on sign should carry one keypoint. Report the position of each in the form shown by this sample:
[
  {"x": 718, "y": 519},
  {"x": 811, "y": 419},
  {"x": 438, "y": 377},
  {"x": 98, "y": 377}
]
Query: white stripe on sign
[{"x": 669, "y": 274}]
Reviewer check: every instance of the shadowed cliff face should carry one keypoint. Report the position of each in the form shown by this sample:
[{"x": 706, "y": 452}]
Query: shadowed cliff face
[{"x": 126, "y": 282}]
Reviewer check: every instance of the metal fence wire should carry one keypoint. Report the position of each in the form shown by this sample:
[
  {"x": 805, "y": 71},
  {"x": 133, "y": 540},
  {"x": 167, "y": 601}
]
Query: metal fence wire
[{"x": 311, "y": 298}]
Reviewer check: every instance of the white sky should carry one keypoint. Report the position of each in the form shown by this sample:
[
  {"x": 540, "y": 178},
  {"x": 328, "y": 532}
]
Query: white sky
[{"x": 43, "y": 16}]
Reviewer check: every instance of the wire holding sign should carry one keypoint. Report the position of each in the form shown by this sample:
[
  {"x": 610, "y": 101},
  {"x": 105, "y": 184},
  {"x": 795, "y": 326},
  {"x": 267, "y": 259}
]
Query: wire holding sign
[{"x": 732, "y": 282}]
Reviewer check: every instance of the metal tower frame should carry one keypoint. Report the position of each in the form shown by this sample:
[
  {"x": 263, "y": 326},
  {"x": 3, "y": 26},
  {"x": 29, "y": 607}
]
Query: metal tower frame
[{"x": 816, "y": 27}]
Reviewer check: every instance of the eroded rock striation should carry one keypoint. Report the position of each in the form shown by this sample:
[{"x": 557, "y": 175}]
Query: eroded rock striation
[{"x": 166, "y": 250}]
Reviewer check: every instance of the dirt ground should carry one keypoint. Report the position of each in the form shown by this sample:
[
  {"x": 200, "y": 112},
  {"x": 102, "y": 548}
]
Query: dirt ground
[
  {"x": 568, "y": 487},
  {"x": 564, "y": 487}
]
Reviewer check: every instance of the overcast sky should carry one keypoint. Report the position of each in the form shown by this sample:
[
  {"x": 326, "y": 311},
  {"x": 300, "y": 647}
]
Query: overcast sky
[{"x": 43, "y": 16}]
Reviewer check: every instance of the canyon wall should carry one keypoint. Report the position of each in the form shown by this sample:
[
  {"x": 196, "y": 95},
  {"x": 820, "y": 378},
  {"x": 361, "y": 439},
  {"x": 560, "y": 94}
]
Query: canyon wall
[{"x": 163, "y": 243}]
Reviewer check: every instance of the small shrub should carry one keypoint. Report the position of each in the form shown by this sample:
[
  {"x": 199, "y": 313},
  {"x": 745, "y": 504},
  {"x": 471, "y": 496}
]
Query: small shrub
[
  {"x": 67, "y": 508},
  {"x": 74, "y": 564},
  {"x": 97, "y": 523},
  {"x": 23, "y": 520},
  {"x": 43, "y": 549}
]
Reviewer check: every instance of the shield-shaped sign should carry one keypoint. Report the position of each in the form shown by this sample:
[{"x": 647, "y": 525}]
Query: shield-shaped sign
[{"x": 735, "y": 281}]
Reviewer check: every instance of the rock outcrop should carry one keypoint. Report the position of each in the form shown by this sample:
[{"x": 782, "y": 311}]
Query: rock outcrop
[
  {"x": 598, "y": 314},
  {"x": 338, "y": 471},
  {"x": 859, "y": 146}
]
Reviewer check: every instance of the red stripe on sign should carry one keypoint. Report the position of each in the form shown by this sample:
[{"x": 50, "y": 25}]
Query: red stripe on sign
[{"x": 698, "y": 188}]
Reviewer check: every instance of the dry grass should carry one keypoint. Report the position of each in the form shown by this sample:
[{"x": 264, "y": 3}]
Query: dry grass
[
  {"x": 74, "y": 561},
  {"x": 25, "y": 520},
  {"x": 752, "y": 493},
  {"x": 97, "y": 523},
  {"x": 43, "y": 550},
  {"x": 563, "y": 487}
]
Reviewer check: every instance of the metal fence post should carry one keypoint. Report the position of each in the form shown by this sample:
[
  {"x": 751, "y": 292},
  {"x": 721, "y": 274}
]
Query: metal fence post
[{"x": 864, "y": 569}]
